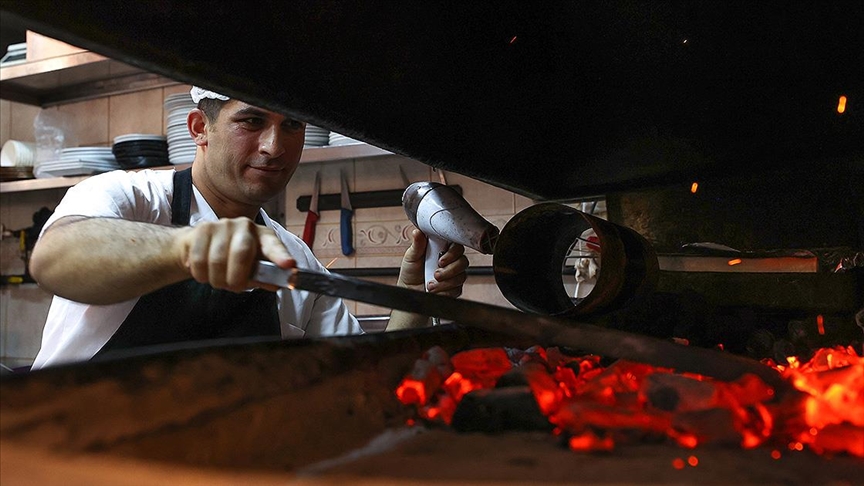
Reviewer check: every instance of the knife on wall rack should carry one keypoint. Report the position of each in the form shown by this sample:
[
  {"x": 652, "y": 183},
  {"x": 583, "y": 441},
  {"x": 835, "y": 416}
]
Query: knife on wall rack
[
  {"x": 359, "y": 200},
  {"x": 345, "y": 229},
  {"x": 312, "y": 215}
]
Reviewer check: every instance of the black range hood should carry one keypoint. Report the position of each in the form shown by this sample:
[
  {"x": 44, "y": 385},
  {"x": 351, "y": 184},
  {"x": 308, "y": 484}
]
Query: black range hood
[{"x": 552, "y": 100}]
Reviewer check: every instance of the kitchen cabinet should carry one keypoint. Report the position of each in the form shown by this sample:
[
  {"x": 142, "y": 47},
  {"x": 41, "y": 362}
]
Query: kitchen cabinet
[
  {"x": 73, "y": 77},
  {"x": 57, "y": 73},
  {"x": 67, "y": 74}
]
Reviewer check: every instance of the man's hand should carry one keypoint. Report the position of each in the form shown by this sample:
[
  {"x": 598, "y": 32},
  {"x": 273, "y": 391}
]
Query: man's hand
[
  {"x": 224, "y": 253},
  {"x": 450, "y": 276}
]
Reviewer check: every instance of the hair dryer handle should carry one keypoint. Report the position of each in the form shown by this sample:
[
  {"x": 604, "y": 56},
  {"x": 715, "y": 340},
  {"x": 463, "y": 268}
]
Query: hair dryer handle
[{"x": 434, "y": 249}]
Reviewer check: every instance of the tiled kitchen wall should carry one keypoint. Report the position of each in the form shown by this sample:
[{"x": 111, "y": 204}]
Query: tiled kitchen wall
[{"x": 380, "y": 234}]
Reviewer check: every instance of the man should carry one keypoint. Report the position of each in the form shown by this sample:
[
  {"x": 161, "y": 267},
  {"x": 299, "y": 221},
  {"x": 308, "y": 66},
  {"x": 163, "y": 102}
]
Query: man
[{"x": 157, "y": 257}]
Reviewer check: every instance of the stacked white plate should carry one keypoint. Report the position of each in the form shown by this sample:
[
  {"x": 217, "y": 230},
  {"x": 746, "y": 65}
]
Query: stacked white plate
[
  {"x": 15, "y": 54},
  {"x": 316, "y": 136},
  {"x": 337, "y": 140},
  {"x": 77, "y": 161},
  {"x": 181, "y": 147}
]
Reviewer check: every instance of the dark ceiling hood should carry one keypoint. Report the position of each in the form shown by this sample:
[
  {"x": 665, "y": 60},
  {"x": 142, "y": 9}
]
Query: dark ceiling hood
[{"x": 552, "y": 100}]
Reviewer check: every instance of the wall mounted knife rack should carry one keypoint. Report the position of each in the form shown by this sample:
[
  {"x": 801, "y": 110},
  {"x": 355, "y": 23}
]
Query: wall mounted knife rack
[{"x": 359, "y": 200}]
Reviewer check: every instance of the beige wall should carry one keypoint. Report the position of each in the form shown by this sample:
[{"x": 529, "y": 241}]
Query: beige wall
[{"x": 379, "y": 234}]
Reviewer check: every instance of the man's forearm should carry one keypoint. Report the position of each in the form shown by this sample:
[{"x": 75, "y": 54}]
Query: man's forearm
[
  {"x": 105, "y": 261},
  {"x": 405, "y": 320}
]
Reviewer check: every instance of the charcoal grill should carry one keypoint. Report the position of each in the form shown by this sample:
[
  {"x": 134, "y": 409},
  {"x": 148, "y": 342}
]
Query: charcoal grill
[{"x": 554, "y": 101}]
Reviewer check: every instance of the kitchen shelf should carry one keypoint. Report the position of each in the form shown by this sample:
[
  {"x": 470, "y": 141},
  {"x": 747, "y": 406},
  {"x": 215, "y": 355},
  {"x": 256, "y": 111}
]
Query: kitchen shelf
[
  {"x": 73, "y": 77},
  {"x": 310, "y": 155}
]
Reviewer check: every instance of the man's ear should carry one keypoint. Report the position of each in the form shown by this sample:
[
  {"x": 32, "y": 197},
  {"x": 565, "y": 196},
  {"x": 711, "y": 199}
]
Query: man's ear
[{"x": 196, "y": 122}]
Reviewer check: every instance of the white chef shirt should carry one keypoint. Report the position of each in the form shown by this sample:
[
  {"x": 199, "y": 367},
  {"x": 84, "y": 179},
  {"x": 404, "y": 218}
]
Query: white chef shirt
[{"x": 76, "y": 331}]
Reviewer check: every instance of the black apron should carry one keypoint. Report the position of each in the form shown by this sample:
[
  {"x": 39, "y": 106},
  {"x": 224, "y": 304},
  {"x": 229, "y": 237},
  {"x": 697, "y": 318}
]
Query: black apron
[{"x": 192, "y": 311}]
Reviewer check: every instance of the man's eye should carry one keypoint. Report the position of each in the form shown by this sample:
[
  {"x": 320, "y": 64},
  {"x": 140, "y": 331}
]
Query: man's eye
[
  {"x": 293, "y": 124},
  {"x": 252, "y": 121}
]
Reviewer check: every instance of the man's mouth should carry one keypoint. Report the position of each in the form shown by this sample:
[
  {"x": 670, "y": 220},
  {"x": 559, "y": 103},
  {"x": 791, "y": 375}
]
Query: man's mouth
[{"x": 267, "y": 168}]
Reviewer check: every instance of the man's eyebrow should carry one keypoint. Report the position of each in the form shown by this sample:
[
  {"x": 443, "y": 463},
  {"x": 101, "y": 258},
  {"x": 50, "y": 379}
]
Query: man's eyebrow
[{"x": 251, "y": 111}]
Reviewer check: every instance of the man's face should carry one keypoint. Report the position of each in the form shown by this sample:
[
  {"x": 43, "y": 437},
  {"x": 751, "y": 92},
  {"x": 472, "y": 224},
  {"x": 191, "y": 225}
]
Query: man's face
[{"x": 251, "y": 154}]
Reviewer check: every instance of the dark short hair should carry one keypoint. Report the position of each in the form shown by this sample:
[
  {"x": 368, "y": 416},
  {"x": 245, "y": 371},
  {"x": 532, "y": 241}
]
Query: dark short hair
[{"x": 211, "y": 108}]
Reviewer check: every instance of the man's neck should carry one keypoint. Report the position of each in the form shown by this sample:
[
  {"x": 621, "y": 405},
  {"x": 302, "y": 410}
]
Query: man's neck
[{"x": 221, "y": 206}]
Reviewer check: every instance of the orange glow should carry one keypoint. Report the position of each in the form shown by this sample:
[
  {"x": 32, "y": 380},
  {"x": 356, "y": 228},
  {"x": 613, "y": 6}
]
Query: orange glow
[
  {"x": 589, "y": 441},
  {"x": 694, "y": 187},
  {"x": 820, "y": 324},
  {"x": 678, "y": 463},
  {"x": 596, "y": 407},
  {"x": 458, "y": 385},
  {"x": 411, "y": 392},
  {"x": 750, "y": 440},
  {"x": 734, "y": 261},
  {"x": 686, "y": 440},
  {"x": 841, "y": 105}
]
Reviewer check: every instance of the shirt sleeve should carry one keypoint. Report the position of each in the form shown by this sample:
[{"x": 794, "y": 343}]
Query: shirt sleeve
[{"x": 135, "y": 196}]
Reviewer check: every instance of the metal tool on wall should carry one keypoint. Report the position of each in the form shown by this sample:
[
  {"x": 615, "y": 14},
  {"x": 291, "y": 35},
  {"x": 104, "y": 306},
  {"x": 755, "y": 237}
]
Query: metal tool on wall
[
  {"x": 312, "y": 215},
  {"x": 345, "y": 229},
  {"x": 363, "y": 200}
]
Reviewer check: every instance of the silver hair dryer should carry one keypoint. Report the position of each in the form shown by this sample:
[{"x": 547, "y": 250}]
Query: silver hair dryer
[{"x": 445, "y": 217}]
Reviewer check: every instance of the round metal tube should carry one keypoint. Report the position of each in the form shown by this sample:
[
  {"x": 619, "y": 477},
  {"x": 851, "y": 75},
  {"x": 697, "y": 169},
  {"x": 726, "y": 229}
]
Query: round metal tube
[{"x": 530, "y": 254}]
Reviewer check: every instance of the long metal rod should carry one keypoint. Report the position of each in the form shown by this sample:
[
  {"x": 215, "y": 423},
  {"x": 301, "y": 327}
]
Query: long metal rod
[{"x": 546, "y": 330}]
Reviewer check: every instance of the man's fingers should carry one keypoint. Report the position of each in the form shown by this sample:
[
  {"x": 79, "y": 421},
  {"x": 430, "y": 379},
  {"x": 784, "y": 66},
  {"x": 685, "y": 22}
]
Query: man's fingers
[
  {"x": 225, "y": 253},
  {"x": 453, "y": 253},
  {"x": 447, "y": 283},
  {"x": 242, "y": 258},
  {"x": 199, "y": 251},
  {"x": 453, "y": 269},
  {"x": 273, "y": 249},
  {"x": 219, "y": 254},
  {"x": 417, "y": 251}
]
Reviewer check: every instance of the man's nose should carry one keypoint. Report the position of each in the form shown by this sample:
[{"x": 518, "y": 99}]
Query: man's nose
[{"x": 272, "y": 142}]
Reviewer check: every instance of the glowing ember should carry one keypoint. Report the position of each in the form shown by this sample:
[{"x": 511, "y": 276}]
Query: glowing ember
[{"x": 594, "y": 408}]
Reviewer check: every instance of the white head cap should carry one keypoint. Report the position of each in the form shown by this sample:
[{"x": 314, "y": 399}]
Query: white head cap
[{"x": 199, "y": 94}]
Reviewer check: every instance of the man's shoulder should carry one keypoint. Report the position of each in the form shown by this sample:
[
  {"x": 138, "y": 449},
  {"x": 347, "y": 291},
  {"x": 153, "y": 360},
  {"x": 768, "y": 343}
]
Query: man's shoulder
[{"x": 122, "y": 178}]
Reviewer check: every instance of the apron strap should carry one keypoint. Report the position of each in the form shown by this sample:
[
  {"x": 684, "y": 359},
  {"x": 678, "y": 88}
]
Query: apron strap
[{"x": 182, "y": 202}]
